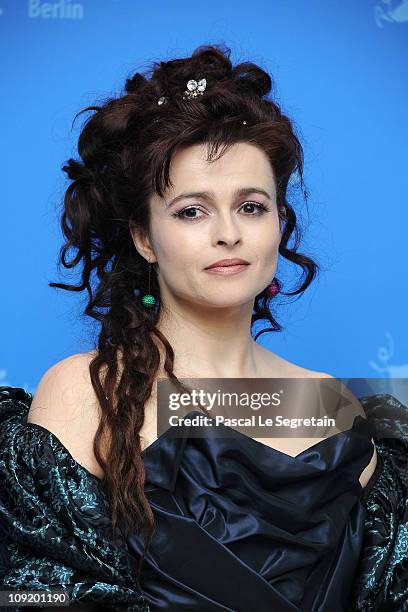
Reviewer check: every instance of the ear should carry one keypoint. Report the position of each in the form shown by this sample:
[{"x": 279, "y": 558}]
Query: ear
[{"x": 142, "y": 243}]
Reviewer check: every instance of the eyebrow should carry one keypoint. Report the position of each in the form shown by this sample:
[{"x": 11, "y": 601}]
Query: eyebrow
[{"x": 208, "y": 195}]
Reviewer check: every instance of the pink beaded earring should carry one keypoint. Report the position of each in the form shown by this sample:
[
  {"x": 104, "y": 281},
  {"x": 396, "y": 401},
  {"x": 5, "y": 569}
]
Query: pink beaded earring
[{"x": 273, "y": 288}]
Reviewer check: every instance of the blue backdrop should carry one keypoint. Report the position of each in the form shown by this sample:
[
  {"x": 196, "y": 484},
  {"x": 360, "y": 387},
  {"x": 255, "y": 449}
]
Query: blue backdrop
[{"x": 340, "y": 68}]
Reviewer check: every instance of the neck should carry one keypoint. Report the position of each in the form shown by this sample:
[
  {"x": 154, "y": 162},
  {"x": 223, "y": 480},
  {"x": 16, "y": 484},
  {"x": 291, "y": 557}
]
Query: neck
[{"x": 212, "y": 343}]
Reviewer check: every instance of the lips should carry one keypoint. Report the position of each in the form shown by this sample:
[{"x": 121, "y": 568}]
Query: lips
[{"x": 225, "y": 263}]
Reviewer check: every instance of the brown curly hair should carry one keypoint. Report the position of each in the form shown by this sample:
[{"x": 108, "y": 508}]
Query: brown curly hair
[{"x": 125, "y": 150}]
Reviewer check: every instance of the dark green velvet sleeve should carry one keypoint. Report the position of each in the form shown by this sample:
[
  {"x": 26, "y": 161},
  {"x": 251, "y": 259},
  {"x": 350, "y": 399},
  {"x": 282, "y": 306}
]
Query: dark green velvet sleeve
[
  {"x": 55, "y": 522},
  {"x": 55, "y": 528},
  {"x": 381, "y": 583}
]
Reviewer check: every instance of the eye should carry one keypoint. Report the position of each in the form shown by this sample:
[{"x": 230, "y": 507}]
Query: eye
[
  {"x": 180, "y": 214},
  {"x": 261, "y": 209}
]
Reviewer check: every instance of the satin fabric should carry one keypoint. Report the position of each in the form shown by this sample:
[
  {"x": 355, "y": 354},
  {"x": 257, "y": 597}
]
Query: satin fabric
[
  {"x": 242, "y": 526},
  {"x": 55, "y": 520}
]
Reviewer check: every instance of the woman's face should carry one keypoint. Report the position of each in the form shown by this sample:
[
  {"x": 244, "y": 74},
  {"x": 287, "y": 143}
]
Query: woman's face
[{"x": 189, "y": 232}]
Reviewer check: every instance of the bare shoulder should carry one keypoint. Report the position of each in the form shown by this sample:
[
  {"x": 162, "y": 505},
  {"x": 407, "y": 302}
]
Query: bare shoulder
[
  {"x": 286, "y": 369},
  {"x": 65, "y": 403},
  {"x": 63, "y": 382},
  {"x": 314, "y": 374},
  {"x": 279, "y": 367},
  {"x": 62, "y": 390}
]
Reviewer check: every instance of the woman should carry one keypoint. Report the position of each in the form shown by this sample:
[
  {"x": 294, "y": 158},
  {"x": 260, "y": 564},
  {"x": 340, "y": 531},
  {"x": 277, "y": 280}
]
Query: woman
[{"x": 92, "y": 500}]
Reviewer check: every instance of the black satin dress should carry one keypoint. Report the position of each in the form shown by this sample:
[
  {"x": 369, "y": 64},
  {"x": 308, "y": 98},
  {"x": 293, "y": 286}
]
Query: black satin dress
[{"x": 241, "y": 526}]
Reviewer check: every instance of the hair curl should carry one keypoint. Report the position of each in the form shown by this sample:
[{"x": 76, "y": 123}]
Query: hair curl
[{"x": 126, "y": 147}]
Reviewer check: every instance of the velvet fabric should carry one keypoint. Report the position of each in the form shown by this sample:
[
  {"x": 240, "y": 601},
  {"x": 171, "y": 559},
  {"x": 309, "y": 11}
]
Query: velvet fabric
[{"x": 239, "y": 526}]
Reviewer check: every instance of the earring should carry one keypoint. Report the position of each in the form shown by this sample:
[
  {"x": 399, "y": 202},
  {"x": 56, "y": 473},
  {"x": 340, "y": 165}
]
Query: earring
[
  {"x": 273, "y": 288},
  {"x": 148, "y": 300}
]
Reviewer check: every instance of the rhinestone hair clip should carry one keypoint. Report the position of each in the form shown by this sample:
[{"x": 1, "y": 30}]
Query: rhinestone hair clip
[{"x": 194, "y": 89}]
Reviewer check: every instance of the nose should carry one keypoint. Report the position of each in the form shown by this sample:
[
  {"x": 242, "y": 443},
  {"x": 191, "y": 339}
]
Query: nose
[{"x": 226, "y": 232}]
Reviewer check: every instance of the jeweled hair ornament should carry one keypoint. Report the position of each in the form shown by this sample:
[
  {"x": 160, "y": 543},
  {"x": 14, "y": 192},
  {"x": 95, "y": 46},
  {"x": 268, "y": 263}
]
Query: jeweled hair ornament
[{"x": 194, "y": 89}]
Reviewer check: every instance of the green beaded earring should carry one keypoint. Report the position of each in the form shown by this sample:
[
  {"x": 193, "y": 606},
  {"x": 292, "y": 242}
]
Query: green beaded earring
[{"x": 148, "y": 300}]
